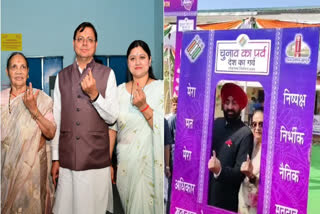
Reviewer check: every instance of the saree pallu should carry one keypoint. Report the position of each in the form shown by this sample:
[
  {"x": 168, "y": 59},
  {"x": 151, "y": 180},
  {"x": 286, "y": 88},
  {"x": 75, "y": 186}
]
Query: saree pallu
[
  {"x": 25, "y": 170},
  {"x": 248, "y": 193}
]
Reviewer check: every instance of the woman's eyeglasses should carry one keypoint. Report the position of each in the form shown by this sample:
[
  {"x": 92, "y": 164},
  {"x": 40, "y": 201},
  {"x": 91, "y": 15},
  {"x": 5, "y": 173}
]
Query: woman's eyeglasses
[{"x": 255, "y": 124}]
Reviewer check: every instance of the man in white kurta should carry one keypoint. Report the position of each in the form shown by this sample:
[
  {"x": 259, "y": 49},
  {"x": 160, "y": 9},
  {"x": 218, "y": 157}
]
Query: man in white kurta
[{"x": 84, "y": 191}]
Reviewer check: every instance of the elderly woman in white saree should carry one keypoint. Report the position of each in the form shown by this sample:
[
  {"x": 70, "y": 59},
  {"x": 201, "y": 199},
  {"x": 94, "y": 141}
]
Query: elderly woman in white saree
[
  {"x": 249, "y": 189},
  {"x": 26, "y": 122},
  {"x": 139, "y": 132}
]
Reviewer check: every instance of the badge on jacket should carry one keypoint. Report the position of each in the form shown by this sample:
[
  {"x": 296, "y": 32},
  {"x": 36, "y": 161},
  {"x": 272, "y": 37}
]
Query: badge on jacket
[{"x": 229, "y": 143}]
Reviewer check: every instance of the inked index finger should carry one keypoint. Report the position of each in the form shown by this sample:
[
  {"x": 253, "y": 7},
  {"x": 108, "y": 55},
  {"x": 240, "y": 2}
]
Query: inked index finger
[
  {"x": 213, "y": 153},
  {"x": 30, "y": 88},
  {"x": 139, "y": 89},
  {"x": 90, "y": 74}
]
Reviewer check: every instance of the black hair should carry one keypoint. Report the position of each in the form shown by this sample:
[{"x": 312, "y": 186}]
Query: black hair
[
  {"x": 81, "y": 28},
  {"x": 14, "y": 54},
  {"x": 145, "y": 47}
]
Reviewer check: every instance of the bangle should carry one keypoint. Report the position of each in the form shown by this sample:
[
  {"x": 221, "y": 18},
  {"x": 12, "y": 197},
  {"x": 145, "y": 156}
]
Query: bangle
[
  {"x": 145, "y": 108},
  {"x": 167, "y": 167},
  {"x": 36, "y": 115}
]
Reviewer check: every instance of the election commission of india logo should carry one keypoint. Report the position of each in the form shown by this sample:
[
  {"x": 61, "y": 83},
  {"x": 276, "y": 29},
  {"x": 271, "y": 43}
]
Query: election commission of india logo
[
  {"x": 242, "y": 40},
  {"x": 194, "y": 49},
  {"x": 298, "y": 51},
  {"x": 187, "y": 4}
]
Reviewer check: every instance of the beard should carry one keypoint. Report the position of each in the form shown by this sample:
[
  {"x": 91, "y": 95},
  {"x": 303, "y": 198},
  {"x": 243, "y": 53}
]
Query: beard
[{"x": 231, "y": 115}]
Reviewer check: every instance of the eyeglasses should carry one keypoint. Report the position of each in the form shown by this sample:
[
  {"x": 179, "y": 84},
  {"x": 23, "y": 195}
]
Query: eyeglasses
[
  {"x": 15, "y": 68},
  {"x": 255, "y": 124},
  {"x": 82, "y": 39}
]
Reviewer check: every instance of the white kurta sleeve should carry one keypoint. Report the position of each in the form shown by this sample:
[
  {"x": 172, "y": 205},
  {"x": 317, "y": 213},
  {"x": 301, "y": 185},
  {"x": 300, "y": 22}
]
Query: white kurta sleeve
[
  {"x": 108, "y": 107},
  {"x": 57, "y": 118}
]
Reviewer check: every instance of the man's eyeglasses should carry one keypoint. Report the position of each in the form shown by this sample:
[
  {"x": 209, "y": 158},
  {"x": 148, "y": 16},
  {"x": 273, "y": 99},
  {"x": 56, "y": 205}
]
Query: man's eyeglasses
[
  {"x": 255, "y": 124},
  {"x": 82, "y": 39}
]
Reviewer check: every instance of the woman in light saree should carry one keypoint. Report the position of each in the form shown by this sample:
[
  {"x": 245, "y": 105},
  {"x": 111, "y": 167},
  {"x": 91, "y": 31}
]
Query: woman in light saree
[
  {"x": 26, "y": 123},
  {"x": 139, "y": 133}
]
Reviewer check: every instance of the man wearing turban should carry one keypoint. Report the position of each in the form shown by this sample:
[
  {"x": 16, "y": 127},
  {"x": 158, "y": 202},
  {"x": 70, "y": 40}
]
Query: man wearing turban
[{"x": 232, "y": 141}]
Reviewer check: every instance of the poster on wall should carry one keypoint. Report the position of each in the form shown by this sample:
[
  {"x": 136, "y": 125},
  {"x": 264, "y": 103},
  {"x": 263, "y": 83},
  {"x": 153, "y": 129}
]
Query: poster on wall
[
  {"x": 11, "y": 42},
  {"x": 284, "y": 63},
  {"x": 51, "y": 68}
]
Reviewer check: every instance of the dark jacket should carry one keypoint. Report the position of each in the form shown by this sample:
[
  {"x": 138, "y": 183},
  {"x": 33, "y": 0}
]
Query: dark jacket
[{"x": 231, "y": 142}]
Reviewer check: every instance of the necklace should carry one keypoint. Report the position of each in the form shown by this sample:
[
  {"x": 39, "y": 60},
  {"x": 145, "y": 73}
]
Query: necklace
[
  {"x": 11, "y": 94},
  {"x": 9, "y": 101},
  {"x": 131, "y": 97}
]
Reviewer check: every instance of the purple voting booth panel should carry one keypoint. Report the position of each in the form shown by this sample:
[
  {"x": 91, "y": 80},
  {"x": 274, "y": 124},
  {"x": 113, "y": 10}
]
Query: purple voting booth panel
[
  {"x": 190, "y": 23},
  {"x": 284, "y": 62},
  {"x": 180, "y": 7}
]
